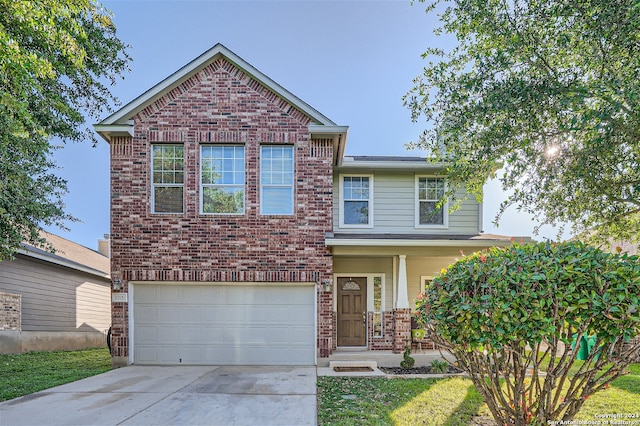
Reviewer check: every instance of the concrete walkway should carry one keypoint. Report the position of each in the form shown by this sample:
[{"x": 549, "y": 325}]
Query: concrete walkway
[{"x": 143, "y": 395}]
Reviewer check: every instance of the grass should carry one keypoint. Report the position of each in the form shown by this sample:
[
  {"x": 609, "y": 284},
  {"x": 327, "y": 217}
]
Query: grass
[
  {"x": 452, "y": 401},
  {"x": 383, "y": 401},
  {"x": 31, "y": 372}
]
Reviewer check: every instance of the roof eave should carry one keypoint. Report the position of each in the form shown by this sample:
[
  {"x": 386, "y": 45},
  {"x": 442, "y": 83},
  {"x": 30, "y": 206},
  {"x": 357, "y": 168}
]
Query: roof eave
[
  {"x": 63, "y": 262},
  {"x": 337, "y": 133},
  {"x": 109, "y": 130},
  {"x": 392, "y": 165},
  {"x": 363, "y": 242}
]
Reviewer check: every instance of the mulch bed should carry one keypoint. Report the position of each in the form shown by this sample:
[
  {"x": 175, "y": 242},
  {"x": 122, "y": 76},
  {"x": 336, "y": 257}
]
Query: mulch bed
[{"x": 417, "y": 370}]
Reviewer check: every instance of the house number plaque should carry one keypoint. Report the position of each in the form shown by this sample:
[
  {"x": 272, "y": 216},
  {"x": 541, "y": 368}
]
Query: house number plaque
[{"x": 120, "y": 297}]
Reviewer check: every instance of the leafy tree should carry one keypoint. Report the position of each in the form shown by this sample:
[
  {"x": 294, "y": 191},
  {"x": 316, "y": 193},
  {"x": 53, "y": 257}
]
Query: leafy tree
[
  {"x": 510, "y": 315},
  {"x": 546, "y": 91},
  {"x": 56, "y": 59}
]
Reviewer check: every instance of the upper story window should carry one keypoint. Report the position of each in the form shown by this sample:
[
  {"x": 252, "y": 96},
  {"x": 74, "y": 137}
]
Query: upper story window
[
  {"x": 276, "y": 180},
  {"x": 167, "y": 184},
  {"x": 429, "y": 192},
  {"x": 222, "y": 179},
  {"x": 356, "y": 194}
]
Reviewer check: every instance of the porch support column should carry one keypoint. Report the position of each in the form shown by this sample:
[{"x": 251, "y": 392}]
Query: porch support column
[
  {"x": 403, "y": 296},
  {"x": 402, "y": 312}
]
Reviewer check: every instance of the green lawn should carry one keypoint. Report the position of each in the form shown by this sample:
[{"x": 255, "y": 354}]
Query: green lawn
[
  {"x": 451, "y": 401},
  {"x": 34, "y": 371}
]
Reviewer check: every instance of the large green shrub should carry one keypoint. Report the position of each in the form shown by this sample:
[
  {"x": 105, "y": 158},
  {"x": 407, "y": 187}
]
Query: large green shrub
[{"x": 510, "y": 315}]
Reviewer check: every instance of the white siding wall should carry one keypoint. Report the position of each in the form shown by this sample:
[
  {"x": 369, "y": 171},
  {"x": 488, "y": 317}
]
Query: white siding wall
[
  {"x": 394, "y": 208},
  {"x": 55, "y": 298}
]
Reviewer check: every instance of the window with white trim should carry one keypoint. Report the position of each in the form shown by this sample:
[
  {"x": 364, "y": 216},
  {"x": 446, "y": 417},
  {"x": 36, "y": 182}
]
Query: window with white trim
[
  {"x": 378, "y": 303},
  {"x": 276, "y": 180},
  {"x": 425, "y": 281},
  {"x": 356, "y": 193},
  {"x": 167, "y": 183},
  {"x": 429, "y": 192},
  {"x": 222, "y": 179}
]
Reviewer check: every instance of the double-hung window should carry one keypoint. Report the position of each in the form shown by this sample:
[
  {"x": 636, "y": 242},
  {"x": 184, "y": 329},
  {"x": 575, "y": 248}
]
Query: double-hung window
[
  {"x": 276, "y": 180},
  {"x": 167, "y": 184},
  {"x": 222, "y": 179},
  {"x": 356, "y": 193},
  {"x": 430, "y": 192}
]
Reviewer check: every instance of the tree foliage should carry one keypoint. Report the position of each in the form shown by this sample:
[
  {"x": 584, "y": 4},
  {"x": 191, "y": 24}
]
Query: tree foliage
[
  {"x": 510, "y": 315},
  {"x": 57, "y": 58},
  {"x": 546, "y": 91}
]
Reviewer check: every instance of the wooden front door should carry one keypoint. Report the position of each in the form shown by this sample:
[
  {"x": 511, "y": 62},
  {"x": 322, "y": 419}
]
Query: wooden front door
[{"x": 352, "y": 311}]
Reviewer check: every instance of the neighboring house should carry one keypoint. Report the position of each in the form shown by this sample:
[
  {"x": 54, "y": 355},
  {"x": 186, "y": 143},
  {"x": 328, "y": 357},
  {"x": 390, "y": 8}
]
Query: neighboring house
[
  {"x": 241, "y": 234},
  {"x": 54, "y": 301}
]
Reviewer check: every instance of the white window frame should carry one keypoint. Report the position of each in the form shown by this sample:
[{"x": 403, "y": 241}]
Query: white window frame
[
  {"x": 166, "y": 185},
  {"x": 342, "y": 201},
  {"x": 223, "y": 185},
  {"x": 424, "y": 279},
  {"x": 291, "y": 185},
  {"x": 445, "y": 207}
]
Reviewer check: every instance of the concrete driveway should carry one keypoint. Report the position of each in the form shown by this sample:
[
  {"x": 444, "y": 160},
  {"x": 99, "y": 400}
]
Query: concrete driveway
[{"x": 185, "y": 395}]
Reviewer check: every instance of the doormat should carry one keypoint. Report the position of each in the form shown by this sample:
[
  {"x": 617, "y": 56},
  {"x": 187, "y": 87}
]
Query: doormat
[{"x": 351, "y": 369}]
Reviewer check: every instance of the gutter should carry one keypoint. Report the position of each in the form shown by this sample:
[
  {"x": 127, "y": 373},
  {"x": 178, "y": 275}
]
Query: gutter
[{"x": 49, "y": 258}]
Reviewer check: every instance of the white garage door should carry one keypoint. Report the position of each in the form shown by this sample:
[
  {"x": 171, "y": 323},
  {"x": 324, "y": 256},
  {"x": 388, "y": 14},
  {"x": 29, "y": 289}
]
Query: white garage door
[{"x": 224, "y": 324}]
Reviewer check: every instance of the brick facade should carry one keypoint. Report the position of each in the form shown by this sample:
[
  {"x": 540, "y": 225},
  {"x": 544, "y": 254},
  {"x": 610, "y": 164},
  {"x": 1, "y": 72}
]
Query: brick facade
[
  {"x": 217, "y": 105},
  {"x": 402, "y": 331},
  {"x": 10, "y": 311},
  {"x": 384, "y": 342}
]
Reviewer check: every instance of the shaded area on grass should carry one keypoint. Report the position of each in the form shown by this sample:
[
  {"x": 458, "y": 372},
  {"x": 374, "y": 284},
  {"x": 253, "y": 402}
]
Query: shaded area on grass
[
  {"x": 383, "y": 401},
  {"x": 451, "y": 401},
  {"x": 23, "y": 374}
]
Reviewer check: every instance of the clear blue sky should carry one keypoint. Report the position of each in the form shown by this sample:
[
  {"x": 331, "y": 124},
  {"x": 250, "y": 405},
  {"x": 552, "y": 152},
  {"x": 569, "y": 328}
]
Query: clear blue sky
[{"x": 351, "y": 60}]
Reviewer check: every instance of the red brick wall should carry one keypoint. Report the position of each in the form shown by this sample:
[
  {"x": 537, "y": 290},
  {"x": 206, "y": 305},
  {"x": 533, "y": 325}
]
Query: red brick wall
[
  {"x": 384, "y": 342},
  {"x": 402, "y": 329},
  {"x": 220, "y": 104},
  {"x": 10, "y": 311}
]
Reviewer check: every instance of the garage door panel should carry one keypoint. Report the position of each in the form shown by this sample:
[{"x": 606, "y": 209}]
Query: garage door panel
[
  {"x": 191, "y": 314},
  {"x": 168, "y": 313},
  {"x": 169, "y": 335},
  {"x": 147, "y": 314},
  {"x": 244, "y": 324},
  {"x": 147, "y": 334},
  {"x": 191, "y": 334}
]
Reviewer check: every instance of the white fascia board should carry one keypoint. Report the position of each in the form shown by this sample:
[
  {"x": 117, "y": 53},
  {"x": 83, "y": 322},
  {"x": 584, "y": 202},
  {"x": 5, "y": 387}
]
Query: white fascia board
[
  {"x": 196, "y": 65},
  {"x": 108, "y": 130},
  {"x": 327, "y": 130},
  {"x": 336, "y": 242},
  {"x": 65, "y": 263},
  {"x": 391, "y": 165}
]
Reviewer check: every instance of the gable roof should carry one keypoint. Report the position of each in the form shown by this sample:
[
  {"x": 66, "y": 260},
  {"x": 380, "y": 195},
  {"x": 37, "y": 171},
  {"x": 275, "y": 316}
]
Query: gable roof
[
  {"x": 71, "y": 255},
  {"x": 120, "y": 124}
]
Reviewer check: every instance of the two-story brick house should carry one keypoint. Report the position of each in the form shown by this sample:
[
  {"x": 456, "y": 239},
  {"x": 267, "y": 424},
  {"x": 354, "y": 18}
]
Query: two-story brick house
[{"x": 241, "y": 234}]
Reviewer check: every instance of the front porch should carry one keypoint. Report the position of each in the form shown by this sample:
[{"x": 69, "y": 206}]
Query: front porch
[{"x": 375, "y": 285}]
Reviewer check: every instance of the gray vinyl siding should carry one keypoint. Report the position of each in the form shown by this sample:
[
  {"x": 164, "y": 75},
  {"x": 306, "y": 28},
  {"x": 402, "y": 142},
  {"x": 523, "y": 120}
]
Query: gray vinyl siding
[
  {"x": 394, "y": 208},
  {"x": 55, "y": 298}
]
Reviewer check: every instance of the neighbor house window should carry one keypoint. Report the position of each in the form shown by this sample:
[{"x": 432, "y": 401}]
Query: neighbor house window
[
  {"x": 429, "y": 192},
  {"x": 276, "y": 180},
  {"x": 357, "y": 201},
  {"x": 167, "y": 184},
  {"x": 222, "y": 179}
]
